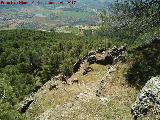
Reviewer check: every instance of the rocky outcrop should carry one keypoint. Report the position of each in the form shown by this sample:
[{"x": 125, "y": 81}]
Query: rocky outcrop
[
  {"x": 148, "y": 100},
  {"x": 71, "y": 81},
  {"x": 104, "y": 59},
  {"x": 75, "y": 80},
  {"x": 102, "y": 56},
  {"x": 77, "y": 65},
  {"x": 87, "y": 70},
  {"x": 110, "y": 56},
  {"x": 91, "y": 53},
  {"x": 25, "y": 104},
  {"x": 91, "y": 59},
  {"x": 55, "y": 82},
  {"x": 51, "y": 85},
  {"x": 100, "y": 50},
  {"x": 62, "y": 78},
  {"x": 84, "y": 95},
  {"x": 104, "y": 81}
]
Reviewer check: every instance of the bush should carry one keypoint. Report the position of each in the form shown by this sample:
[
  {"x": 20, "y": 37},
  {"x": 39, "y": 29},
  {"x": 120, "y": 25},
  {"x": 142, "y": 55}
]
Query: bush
[{"x": 146, "y": 63}]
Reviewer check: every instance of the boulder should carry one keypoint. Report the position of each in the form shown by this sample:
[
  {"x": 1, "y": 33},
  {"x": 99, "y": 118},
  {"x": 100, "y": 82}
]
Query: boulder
[
  {"x": 104, "y": 59},
  {"x": 123, "y": 48},
  {"x": 53, "y": 86},
  {"x": 148, "y": 99},
  {"x": 118, "y": 51},
  {"x": 100, "y": 50},
  {"x": 91, "y": 53},
  {"x": 115, "y": 51},
  {"x": 91, "y": 59},
  {"x": 72, "y": 80},
  {"x": 110, "y": 56},
  {"x": 98, "y": 93},
  {"x": 111, "y": 69},
  {"x": 103, "y": 99},
  {"x": 77, "y": 65},
  {"x": 60, "y": 77},
  {"x": 25, "y": 104},
  {"x": 75, "y": 80},
  {"x": 87, "y": 69},
  {"x": 102, "y": 56}
]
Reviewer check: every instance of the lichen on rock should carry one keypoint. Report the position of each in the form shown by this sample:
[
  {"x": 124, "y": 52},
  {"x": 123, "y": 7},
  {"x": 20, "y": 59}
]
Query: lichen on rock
[{"x": 148, "y": 100}]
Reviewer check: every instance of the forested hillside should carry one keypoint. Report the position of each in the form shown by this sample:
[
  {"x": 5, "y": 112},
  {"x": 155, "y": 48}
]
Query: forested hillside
[
  {"x": 29, "y": 58},
  {"x": 136, "y": 20},
  {"x": 137, "y": 23}
]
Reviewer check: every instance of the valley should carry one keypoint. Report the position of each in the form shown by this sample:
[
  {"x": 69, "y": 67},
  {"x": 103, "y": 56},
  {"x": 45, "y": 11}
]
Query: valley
[{"x": 46, "y": 17}]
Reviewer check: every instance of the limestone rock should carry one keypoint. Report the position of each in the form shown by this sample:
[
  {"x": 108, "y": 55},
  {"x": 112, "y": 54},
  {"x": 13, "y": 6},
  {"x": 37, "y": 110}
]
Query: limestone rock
[
  {"x": 25, "y": 104},
  {"x": 53, "y": 86},
  {"x": 72, "y": 80},
  {"x": 100, "y": 50},
  {"x": 60, "y": 77},
  {"x": 77, "y": 65},
  {"x": 86, "y": 70},
  {"x": 91, "y": 53},
  {"x": 104, "y": 59},
  {"x": 91, "y": 59},
  {"x": 148, "y": 99}
]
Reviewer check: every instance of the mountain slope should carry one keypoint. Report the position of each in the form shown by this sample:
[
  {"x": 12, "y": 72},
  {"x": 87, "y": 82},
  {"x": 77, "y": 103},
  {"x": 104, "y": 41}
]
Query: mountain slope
[{"x": 80, "y": 101}]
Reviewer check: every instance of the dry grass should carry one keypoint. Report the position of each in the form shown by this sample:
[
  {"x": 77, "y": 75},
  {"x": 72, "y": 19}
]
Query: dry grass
[
  {"x": 120, "y": 98},
  {"x": 46, "y": 99}
]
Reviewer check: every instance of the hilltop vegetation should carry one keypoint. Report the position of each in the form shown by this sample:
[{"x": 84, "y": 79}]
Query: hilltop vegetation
[
  {"x": 133, "y": 20},
  {"x": 137, "y": 23}
]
